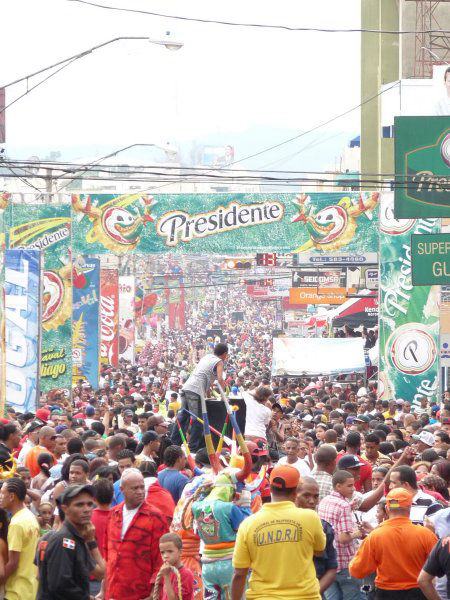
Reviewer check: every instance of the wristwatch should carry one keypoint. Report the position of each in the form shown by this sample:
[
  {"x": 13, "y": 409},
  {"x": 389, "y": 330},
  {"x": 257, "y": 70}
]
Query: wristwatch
[{"x": 91, "y": 545}]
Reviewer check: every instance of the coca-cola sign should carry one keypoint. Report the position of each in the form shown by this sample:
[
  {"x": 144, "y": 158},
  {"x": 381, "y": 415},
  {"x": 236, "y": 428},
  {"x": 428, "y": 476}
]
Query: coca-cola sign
[{"x": 109, "y": 317}]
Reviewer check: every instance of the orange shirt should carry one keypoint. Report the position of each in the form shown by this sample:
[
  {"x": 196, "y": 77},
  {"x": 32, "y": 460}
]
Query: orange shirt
[
  {"x": 31, "y": 459},
  {"x": 397, "y": 551}
]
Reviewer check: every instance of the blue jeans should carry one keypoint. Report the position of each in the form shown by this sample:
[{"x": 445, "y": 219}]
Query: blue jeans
[
  {"x": 191, "y": 401},
  {"x": 345, "y": 587}
]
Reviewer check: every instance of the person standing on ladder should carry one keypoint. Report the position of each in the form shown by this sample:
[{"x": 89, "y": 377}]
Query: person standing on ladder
[{"x": 209, "y": 368}]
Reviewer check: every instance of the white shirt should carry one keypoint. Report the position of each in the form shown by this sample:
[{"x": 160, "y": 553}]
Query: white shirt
[
  {"x": 257, "y": 417},
  {"x": 127, "y": 517},
  {"x": 301, "y": 465}
]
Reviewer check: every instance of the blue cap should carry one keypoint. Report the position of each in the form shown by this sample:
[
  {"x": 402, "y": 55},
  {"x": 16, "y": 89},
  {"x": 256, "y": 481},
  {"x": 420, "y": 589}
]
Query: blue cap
[{"x": 235, "y": 389}]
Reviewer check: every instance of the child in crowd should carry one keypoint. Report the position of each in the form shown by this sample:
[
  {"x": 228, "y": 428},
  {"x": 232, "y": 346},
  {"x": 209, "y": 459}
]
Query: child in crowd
[
  {"x": 45, "y": 517},
  {"x": 170, "y": 580}
]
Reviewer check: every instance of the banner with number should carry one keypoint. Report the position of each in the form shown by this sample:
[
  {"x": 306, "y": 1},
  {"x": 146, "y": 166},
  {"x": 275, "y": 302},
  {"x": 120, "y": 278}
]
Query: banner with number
[
  {"x": 22, "y": 285},
  {"x": 46, "y": 227},
  {"x": 126, "y": 317},
  {"x": 85, "y": 320},
  {"x": 226, "y": 223},
  {"x": 109, "y": 316},
  {"x": 409, "y": 315}
]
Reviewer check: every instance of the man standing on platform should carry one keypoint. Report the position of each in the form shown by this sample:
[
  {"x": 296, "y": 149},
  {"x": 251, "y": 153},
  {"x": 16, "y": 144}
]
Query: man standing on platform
[{"x": 209, "y": 368}]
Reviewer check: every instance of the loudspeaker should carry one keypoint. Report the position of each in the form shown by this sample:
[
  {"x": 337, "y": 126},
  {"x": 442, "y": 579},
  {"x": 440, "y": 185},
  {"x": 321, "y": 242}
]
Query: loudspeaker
[{"x": 217, "y": 415}]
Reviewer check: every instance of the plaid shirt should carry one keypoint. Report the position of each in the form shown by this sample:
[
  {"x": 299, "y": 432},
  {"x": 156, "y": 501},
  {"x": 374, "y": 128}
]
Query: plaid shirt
[
  {"x": 336, "y": 510},
  {"x": 324, "y": 481}
]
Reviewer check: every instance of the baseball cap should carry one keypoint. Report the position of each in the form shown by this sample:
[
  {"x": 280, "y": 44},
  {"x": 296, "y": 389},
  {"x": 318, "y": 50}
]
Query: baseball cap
[
  {"x": 425, "y": 437},
  {"x": 75, "y": 490},
  {"x": 258, "y": 448},
  {"x": 284, "y": 477},
  {"x": 90, "y": 410},
  {"x": 36, "y": 424},
  {"x": 43, "y": 414},
  {"x": 128, "y": 413},
  {"x": 349, "y": 461},
  {"x": 362, "y": 419},
  {"x": 398, "y": 497}
]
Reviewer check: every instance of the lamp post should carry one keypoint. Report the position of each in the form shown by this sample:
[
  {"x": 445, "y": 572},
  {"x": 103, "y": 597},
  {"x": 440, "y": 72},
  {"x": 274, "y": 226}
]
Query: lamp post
[{"x": 166, "y": 42}]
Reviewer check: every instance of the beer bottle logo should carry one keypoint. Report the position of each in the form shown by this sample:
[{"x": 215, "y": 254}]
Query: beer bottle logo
[
  {"x": 388, "y": 223},
  {"x": 412, "y": 349},
  {"x": 445, "y": 150}
]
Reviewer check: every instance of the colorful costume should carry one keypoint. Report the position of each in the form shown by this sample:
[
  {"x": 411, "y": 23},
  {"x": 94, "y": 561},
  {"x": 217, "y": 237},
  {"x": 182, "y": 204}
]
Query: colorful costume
[
  {"x": 182, "y": 524},
  {"x": 217, "y": 519}
]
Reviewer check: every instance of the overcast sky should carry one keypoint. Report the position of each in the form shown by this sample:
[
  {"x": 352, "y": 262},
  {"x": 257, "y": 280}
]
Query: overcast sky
[{"x": 224, "y": 79}]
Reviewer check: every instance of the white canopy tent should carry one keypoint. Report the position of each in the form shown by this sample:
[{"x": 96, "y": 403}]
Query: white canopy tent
[{"x": 317, "y": 356}]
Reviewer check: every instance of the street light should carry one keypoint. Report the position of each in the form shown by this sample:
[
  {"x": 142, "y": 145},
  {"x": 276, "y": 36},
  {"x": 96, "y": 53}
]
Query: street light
[{"x": 62, "y": 64}]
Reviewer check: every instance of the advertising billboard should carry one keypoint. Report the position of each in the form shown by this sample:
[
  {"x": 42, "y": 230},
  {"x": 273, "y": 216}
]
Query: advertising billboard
[
  {"x": 85, "y": 320},
  {"x": 422, "y": 167},
  {"x": 409, "y": 315},
  {"x": 22, "y": 286},
  {"x": 220, "y": 223}
]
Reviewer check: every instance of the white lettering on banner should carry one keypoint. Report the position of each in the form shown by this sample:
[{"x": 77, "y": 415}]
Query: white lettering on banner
[
  {"x": 107, "y": 323},
  {"x": 48, "y": 239},
  {"x": 16, "y": 341},
  {"x": 397, "y": 297},
  {"x": 178, "y": 226}
]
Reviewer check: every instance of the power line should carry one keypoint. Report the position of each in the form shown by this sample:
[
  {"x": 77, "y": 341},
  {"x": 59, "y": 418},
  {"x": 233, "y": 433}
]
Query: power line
[{"x": 253, "y": 25}]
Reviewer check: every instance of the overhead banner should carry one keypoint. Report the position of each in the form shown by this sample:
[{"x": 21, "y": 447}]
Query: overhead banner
[
  {"x": 22, "y": 285},
  {"x": 422, "y": 167},
  {"x": 409, "y": 316},
  {"x": 85, "y": 320},
  {"x": 126, "y": 317},
  {"x": 220, "y": 223},
  {"x": 317, "y": 356},
  {"x": 109, "y": 316},
  {"x": 46, "y": 227}
]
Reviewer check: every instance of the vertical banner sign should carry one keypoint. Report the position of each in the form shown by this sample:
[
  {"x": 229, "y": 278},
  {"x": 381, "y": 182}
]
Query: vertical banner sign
[
  {"x": 47, "y": 228},
  {"x": 409, "y": 316},
  {"x": 22, "y": 327},
  {"x": 126, "y": 317},
  {"x": 109, "y": 317},
  {"x": 85, "y": 320},
  {"x": 4, "y": 197}
]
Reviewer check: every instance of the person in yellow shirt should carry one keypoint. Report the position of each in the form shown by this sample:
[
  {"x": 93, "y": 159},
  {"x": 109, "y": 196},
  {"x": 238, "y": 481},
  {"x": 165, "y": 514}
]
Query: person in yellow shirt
[
  {"x": 277, "y": 544},
  {"x": 23, "y": 534}
]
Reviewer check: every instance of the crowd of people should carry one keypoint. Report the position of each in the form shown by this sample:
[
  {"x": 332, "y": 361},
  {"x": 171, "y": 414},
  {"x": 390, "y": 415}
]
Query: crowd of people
[{"x": 111, "y": 493}]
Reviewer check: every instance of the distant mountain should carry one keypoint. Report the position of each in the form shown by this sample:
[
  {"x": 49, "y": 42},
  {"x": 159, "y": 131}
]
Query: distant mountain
[{"x": 311, "y": 152}]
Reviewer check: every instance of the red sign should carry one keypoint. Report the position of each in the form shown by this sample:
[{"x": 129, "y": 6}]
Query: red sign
[{"x": 109, "y": 316}]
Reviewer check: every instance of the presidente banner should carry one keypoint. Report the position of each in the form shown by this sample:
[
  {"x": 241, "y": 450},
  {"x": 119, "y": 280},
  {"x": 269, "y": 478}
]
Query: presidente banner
[
  {"x": 223, "y": 223},
  {"x": 409, "y": 316},
  {"x": 85, "y": 320},
  {"x": 46, "y": 227},
  {"x": 422, "y": 167},
  {"x": 126, "y": 317},
  {"x": 22, "y": 285},
  {"x": 109, "y": 316}
]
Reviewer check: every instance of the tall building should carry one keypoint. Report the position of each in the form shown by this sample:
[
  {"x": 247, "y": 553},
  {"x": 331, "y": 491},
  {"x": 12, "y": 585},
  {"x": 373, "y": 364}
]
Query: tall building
[{"x": 393, "y": 65}]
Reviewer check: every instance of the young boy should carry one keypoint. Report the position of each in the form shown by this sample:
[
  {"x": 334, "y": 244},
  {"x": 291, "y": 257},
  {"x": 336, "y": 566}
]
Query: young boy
[{"x": 170, "y": 546}]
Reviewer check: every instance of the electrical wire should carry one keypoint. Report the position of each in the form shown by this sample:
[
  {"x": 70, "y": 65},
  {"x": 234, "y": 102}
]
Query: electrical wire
[
  {"x": 296, "y": 137},
  {"x": 253, "y": 25},
  {"x": 38, "y": 84},
  {"x": 113, "y": 169}
]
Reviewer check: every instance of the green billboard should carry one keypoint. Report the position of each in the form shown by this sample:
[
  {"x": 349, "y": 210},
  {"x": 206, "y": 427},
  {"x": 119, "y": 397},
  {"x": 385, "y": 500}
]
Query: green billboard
[
  {"x": 422, "y": 167},
  {"x": 430, "y": 257}
]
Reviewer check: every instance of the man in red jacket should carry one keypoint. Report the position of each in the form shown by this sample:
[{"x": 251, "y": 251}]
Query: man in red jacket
[{"x": 132, "y": 548}]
